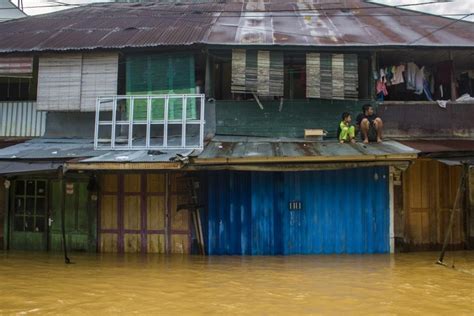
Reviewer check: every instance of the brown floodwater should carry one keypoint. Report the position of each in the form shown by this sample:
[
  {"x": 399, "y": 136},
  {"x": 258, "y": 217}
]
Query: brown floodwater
[{"x": 40, "y": 283}]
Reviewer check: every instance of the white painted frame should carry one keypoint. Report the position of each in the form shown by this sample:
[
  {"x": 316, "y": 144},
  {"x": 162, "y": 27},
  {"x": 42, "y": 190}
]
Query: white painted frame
[{"x": 113, "y": 123}]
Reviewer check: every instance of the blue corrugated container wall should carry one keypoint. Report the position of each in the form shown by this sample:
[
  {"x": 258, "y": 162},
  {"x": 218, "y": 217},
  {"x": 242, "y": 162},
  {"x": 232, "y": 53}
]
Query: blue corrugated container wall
[{"x": 342, "y": 211}]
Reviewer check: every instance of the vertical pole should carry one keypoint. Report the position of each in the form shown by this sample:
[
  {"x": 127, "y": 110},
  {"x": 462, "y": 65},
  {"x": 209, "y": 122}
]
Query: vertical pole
[
  {"x": 453, "y": 78},
  {"x": 167, "y": 214},
  {"x": 148, "y": 121},
  {"x": 114, "y": 121},
  {"x": 165, "y": 122},
  {"x": 63, "y": 212},
  {"x": 6, "y": 218},
  {"x": 97, "y": 120},
  {"x": 130, "y": 122},
  {"x": 373, "y": 67},
  {"x": 208, "y": 87},
  {"x": 183, "y": 122},
  {"x": 392, "y": 209},
  {"x": 202, "y": 122}
]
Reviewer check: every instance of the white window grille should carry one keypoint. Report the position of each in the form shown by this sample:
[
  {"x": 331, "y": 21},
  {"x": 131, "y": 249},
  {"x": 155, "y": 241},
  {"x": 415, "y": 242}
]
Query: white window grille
[{"x": 141, "y": 122}]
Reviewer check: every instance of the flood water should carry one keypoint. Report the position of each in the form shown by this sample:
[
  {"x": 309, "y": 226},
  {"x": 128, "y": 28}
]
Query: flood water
[{"x": 40, "y": 283}]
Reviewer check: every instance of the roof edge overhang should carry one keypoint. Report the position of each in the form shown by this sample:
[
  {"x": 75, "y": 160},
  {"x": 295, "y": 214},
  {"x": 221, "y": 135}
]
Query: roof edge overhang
[
  {"x": 294, "y": 167},
  {"x": 304, "y": 159},
  {"x": 123, "y": 166},
  {"x": 354, "y": 47}
]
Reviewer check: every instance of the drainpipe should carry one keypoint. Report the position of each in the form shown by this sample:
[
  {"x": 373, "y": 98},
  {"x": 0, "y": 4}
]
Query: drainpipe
[{"x": 61, "y": 172}]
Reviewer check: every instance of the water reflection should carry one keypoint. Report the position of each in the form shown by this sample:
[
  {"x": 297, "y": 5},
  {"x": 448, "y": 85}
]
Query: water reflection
[{"x": 111, "y": 284}]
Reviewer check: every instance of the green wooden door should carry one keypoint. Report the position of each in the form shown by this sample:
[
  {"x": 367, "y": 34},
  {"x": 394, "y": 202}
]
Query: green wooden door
[
  {"x": 79, "y": 217},
  {"x": 29, "y": 215}
]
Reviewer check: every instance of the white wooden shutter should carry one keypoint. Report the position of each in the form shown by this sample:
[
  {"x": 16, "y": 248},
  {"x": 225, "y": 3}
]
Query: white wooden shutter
[
  {"x": 99, "y": 78},
  {"x": 59, "y": 82}
]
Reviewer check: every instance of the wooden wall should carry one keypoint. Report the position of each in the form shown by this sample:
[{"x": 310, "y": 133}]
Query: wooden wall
[
  {"x": 429, "y": 191},
  {"x": 246, "y": 118},
  {"x": 138, "y": 213}
]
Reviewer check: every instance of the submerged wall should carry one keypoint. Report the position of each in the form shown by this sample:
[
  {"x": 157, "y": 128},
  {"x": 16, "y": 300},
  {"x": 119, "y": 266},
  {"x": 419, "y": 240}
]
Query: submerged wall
[{"x": 320, "y": 212}]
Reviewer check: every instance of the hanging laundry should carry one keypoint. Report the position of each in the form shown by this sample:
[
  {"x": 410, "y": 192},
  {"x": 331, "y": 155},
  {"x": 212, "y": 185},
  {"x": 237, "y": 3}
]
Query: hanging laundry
[
  {"x": 381, "y": 88},
  {"x": 411, "y": 71},
  {"x": 419, "y": 79},
  {"x": 398, "y": 74},
  {"x": 382, "y": 76}
]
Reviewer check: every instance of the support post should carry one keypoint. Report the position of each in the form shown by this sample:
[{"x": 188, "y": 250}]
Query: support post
[
  {"x": 392, "y": 210},
  {"x": 453, "y": 78},
  {"x": 6, "y": 216},
  {"x": 63, "y": 212}
]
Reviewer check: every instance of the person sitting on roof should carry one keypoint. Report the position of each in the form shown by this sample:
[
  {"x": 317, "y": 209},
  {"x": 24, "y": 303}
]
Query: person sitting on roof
[
  {"x": 370, "y": 125},
  {"x": 346, "y": 131}
]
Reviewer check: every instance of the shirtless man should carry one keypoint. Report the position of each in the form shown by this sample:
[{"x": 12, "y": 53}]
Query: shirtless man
[{"x": 370, "y": 125}]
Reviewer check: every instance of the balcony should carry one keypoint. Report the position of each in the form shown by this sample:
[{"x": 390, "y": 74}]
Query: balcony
[{"x": 149, "y": 122}]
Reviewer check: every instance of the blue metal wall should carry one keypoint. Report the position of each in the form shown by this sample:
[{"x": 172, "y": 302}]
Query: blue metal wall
[{"x": 343, "y": 211}]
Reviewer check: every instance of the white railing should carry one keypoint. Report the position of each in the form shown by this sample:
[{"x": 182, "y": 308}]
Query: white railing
[{"x": 141, "y": 122}]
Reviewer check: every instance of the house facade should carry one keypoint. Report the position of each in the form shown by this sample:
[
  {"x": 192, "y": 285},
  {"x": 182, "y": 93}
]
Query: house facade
[{"x": 180, "y": 128}]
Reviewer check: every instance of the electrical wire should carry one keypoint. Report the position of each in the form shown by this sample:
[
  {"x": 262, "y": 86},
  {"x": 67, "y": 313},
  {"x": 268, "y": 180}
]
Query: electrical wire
[{"x": 441, "y": 28}]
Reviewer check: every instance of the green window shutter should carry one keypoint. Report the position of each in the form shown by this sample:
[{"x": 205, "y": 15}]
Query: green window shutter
[{"x": 161, "y": 74}]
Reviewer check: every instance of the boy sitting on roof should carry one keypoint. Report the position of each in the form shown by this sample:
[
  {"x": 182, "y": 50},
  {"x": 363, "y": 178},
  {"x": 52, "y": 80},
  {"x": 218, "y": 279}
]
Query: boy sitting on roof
[
  {"x": 346, "y": 131},
  {"x": 370, "y": 125}
]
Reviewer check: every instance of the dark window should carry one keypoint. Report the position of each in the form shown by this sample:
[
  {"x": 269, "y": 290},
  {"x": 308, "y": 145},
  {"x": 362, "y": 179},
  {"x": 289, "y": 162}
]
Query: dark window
[
  {"x": 30, "y": 206},
  {"x": 19, "y": 88}
]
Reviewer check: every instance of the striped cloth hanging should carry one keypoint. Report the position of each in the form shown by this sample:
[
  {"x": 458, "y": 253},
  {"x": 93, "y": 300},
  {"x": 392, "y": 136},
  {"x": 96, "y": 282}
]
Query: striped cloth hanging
[
  {"x": 259, "y": 72},
  {"x": 332, "y": 76}
]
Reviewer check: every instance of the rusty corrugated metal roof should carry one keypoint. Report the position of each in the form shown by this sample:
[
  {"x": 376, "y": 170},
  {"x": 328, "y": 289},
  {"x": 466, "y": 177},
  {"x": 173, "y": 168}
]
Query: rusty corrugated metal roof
[
  {"x": 269, "y": 22},
  {"x": 227, "y": 149}
]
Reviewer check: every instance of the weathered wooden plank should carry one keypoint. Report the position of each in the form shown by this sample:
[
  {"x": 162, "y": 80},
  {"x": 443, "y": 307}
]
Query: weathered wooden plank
[
  {"x": 155, "y": 212},
  {"x": 132, "y": 243},
  {"x": 108, "y": 212},
  {"x": 131, "y": 212},
  {"x": 132, "y": 183},
  {"x": 155, "y": 243}
]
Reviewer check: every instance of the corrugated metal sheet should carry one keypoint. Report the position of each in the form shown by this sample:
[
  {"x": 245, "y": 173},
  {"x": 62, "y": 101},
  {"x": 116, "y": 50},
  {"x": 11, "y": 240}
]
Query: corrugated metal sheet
[
  {"x": 16, "y": 66},
  {"x": 242, "y": 149},
  {"x": 21, "y": 119},
  {"x": 344, "y": 211},
  {"x": 275, "y": 22}
]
